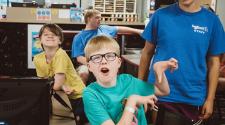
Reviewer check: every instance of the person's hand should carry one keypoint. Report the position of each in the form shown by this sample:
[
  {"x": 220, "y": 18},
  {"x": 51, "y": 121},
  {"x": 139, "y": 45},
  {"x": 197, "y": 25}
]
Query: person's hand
[
  {"x": 161, "y": 66},
  {"x": 144, "y": 100},
  {"x": 207, "y": 109},
  {"x": 140, "y": 32},
  {"x": 67, "y": 89}
]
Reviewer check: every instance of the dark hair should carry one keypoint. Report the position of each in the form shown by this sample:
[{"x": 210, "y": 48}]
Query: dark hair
[{"x": 54, "y": 28}]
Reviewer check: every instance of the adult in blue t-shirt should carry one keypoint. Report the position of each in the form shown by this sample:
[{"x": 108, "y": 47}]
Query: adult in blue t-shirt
[
  {"x": 93, "y": 28},
  {"x": 195, "y": 37}
]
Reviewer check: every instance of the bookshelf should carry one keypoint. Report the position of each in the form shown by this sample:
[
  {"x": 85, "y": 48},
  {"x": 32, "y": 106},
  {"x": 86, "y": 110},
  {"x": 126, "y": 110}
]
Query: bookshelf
[{"x": 117, "y": 10}]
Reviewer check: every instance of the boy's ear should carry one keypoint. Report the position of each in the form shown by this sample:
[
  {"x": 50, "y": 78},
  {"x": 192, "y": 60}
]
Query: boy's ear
[
  {"x": 119, "y": 62},
  {"x": 88, "y": 65},
  {"x": 88, "y": 19}
]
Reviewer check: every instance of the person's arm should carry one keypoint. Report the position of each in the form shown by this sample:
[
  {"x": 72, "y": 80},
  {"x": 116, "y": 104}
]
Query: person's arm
[
  {"x": 82, "y": 60},
  {"x": 133, "y": 102},
  {"x": 146, "y": 56},
  {"x": 213, "y": 75},
  {"x": 59, "y": 80},
  {"x": 128, "y": 113},
  {"x": 77, "y": 51},
  {"x": 161, "y": 85},
  {"x": 162, "y": 89},
  {"x": 123, "y": 29}
]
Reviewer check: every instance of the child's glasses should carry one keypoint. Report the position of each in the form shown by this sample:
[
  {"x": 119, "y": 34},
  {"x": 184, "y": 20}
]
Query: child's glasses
[{"x": 111, "y": 56}]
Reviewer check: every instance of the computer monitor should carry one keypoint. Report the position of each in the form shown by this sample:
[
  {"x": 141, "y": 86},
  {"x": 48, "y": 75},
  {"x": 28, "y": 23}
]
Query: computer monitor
[
  {"x": 63, "y": 6},
  {"x": 39, "y": 2},
  {"x": 24, "y": 101},
  {"x": 161, "y": 3},
  {"x": 24, "y": 4}
]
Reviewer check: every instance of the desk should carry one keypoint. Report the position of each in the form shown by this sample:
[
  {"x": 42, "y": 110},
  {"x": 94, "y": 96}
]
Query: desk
[
  {"x": 220, "y": 100},
  {"x": 131, "y": 63},
  {"x": 221, "y": 84},
  {"x": 129, "y": 40},
  {"x": 133, "y": 59}
]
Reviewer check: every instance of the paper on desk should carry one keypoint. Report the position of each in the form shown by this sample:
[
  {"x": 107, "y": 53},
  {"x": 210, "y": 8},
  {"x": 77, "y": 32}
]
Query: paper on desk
[{"x": 64, "y": 13}]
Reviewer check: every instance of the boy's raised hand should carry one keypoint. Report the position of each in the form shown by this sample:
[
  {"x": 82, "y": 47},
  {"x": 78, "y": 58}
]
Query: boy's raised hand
[
  {"x": 144, "y": 100},
  {"x": 161, "y": 66}
]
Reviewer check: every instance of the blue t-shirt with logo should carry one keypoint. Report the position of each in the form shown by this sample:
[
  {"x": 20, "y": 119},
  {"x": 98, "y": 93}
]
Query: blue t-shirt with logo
[
  {"x": 190, "y": 38},
  {"x": 82, "y": 38}
]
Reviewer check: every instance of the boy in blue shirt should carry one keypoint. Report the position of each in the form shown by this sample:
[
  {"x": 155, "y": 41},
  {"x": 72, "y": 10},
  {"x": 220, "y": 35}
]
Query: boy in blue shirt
[
  {"x": 194, "y": 36},
  {"x": 103, "y": 99}
]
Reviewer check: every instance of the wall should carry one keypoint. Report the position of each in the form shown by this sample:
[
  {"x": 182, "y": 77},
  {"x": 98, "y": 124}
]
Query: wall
[{"x": 220, "y": 10}]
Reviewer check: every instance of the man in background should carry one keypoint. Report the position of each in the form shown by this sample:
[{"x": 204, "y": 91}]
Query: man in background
[{"x": 93, "y": 28}]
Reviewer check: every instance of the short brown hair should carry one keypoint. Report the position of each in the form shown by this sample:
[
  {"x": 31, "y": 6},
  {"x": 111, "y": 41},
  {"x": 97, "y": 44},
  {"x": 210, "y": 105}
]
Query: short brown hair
[
  {"x": 54, "y": 28},
  {"x": 90, "y": 13},
  {"x": 98, "y": 42}
]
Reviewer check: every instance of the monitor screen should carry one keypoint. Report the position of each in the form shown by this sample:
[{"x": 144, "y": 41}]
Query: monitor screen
[
  {"x": 24, "y": 101},
  {"x": 40, "y": 2},
  {"x": 161, "y": 3},
  {"x": 24, "y": 4},
  {"x": 62, "y": 6}
]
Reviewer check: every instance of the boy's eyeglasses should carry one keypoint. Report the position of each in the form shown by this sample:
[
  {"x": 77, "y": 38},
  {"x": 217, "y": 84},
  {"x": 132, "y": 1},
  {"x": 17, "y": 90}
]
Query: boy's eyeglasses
[{"x": 111, "y": 56}]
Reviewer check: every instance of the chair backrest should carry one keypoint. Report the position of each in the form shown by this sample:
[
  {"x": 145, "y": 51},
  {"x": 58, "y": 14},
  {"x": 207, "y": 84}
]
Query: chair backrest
[{"x": 60, "y": 104}]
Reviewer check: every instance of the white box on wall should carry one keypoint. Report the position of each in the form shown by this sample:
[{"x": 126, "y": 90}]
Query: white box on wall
[
  {"x": 220, "y": 10},
  {"x": 86, "y": 3}
]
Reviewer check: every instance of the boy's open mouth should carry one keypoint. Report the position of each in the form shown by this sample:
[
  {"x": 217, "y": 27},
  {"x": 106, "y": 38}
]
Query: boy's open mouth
[{"x": 104, "y": 70}]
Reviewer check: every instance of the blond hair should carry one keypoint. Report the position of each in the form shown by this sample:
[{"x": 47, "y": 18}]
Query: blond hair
[
  {"x": 98, "y": 42},
  {"x": 90, "y": 13}
]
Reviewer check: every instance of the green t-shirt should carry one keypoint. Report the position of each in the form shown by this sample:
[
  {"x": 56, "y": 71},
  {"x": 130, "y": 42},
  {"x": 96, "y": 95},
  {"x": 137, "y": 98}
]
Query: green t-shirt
[{"x": 102, "y": 104}]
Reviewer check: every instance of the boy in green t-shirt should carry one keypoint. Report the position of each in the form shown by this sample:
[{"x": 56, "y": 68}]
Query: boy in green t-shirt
[{"x": 104, "y": 99}]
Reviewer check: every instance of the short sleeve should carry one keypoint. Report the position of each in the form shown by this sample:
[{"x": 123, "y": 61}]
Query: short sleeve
[
  {"x": 143, "y": 88},
  {"x": 60, "y": 64},
  {"x": 38, "y": 68},
  {"x": 150, "y": 31},
  {"x": 93, "y": 108},
  {"x": 217, "y": 40},
  {"x": 109, "y": 30},
  {"x": 137, "y": 86},
  {"x": 77, "y": 46}
]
